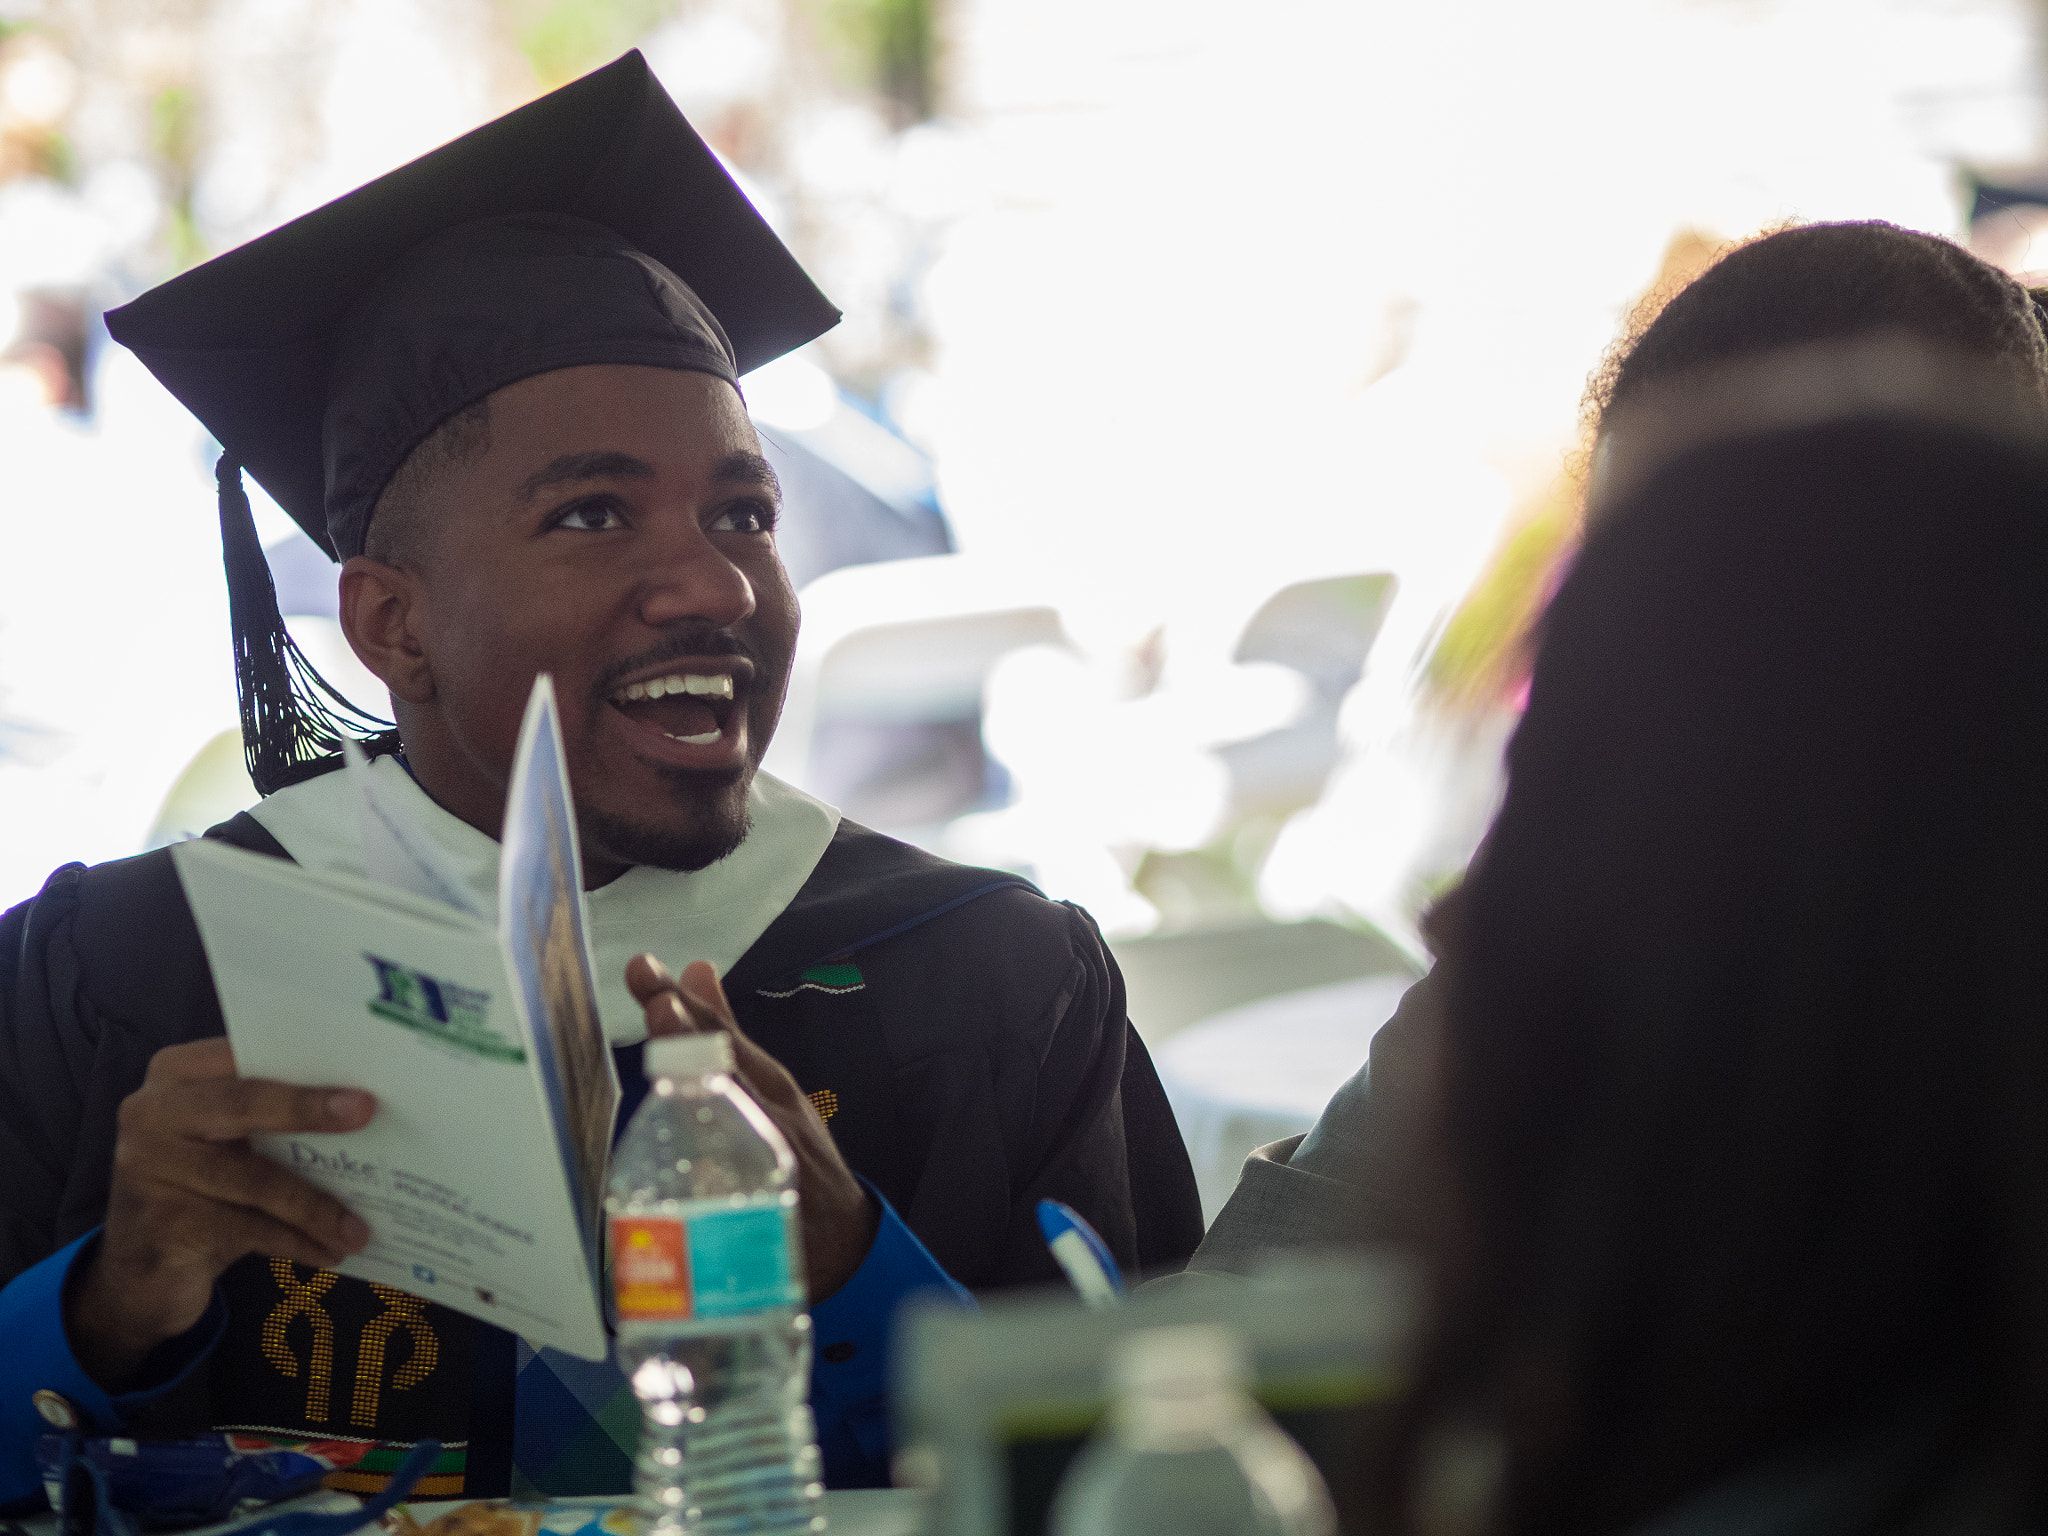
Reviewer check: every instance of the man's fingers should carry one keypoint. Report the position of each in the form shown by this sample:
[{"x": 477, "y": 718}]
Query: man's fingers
[
  {"x": 230, "y": 1108},
  {"x": 710, "y": 1009},
  {"x": 839, "y": 1221},
  {"x": 702, "y": 998},
  {"x": 238, "y": 1177},
  {"x": 667, "y": 1016},
  {"x": 647, "y": 978},
  {"x": 673, "y": 1008},
  {"x": 193, "y": 1060},
  {"x": 695, "y": 1003},
  {"x": 701, "y": 988},
  {"x": 654, "y": 986},
  {"x": 251, "y": 1231}
]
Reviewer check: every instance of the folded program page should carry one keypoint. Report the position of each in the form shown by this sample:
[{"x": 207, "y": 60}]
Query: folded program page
[{"x": 480, "y": 1172}]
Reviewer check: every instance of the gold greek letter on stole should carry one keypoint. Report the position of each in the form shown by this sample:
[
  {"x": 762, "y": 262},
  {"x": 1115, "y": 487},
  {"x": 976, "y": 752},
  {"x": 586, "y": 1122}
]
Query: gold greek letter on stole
[
  {"x": 302, "y": 1297},
  {"x": 402, "y": 1311}
]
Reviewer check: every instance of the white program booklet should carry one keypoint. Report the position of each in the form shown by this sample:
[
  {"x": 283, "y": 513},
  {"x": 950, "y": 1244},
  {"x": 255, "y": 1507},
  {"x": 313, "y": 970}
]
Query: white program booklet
[{"x": 481, "y": 1174}]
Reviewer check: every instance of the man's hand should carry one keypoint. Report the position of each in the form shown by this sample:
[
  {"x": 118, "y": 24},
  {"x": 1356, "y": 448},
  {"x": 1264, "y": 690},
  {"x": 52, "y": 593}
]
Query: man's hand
[
  {"x": 838, "y": 1217},
  {"x": 190, "y": 1197}
]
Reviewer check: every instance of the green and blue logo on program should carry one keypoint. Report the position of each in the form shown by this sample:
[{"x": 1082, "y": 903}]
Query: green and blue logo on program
[{"x": 441, "y": 1010}]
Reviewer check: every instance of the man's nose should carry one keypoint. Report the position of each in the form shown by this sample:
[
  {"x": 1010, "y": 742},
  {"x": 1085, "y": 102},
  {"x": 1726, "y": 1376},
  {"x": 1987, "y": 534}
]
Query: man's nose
[{"x": 689, "y": 580}]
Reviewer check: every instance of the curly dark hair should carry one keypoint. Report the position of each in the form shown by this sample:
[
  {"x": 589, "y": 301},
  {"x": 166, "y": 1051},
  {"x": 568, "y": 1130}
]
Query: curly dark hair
[{"x": 1822, "y": 282}]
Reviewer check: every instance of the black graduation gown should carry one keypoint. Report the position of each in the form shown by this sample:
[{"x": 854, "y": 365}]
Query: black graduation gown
[{"x": 966, "y": 1036}]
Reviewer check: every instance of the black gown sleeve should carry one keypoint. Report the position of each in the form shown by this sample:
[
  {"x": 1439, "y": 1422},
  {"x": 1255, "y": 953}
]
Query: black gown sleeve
[
  {"x": 48, "y": 1045},
  {"x": 1104, "y": 1140},
  {"x": 988, "y": 1064},
  {"x": 98, "y": 972},
  {"x": 1165, "y": 1200}
]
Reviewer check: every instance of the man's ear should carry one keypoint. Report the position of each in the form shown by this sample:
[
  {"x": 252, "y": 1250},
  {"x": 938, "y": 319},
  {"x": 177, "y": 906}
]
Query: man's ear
[{"x": 381, "y": 612}]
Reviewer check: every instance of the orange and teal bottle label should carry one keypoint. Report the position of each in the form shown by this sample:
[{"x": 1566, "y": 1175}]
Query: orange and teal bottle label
[{"x": 705, "y": 1264}]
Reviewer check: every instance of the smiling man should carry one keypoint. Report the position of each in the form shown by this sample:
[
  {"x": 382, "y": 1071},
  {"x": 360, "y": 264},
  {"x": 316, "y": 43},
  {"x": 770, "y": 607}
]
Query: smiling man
[
  {"x": 501, "y": 385},
  {"x": 640, "y": 573}
]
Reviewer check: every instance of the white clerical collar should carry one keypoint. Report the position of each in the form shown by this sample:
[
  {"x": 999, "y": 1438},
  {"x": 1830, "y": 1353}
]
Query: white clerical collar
[{"x": 715, "y": 913}]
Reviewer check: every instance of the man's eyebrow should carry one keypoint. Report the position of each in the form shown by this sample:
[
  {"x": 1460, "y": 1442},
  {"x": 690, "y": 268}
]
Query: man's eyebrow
[
  {"x": 745, "y": 468},
  {"x": 571, "y": 467}
]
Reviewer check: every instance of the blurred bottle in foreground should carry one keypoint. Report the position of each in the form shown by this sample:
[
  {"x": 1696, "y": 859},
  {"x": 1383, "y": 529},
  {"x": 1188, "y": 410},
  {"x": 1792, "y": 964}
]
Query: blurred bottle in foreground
[
  {"x": 707, "y": 1273},
  {"x": 1186, "y": 1451}
]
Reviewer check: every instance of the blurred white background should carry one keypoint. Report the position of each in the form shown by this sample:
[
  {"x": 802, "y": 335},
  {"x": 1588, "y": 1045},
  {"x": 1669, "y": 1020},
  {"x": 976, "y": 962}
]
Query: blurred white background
[{"x": 1240, "y": 348}]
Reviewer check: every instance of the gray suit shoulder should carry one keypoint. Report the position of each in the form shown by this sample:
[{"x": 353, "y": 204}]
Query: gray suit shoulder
[{"x": 1349, "y": 1182}]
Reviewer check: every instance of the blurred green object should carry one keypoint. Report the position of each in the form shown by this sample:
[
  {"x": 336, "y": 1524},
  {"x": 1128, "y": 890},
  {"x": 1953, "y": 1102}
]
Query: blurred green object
[
  {"x": 889, "y": 47},
  {"x": 210, "y": 789},
  {"x": 175, "y": 140},
  {"x": 1482, "y": 656}
]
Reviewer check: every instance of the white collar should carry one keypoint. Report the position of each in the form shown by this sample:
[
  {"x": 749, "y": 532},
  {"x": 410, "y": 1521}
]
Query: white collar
[{"x": 715, "y": 913}]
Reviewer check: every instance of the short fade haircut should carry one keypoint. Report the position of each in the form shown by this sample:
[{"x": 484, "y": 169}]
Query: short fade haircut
[{"x": 402, "y": 523}]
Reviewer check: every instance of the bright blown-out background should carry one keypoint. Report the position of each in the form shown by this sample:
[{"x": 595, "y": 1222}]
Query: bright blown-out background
[{"x": 1169, "y": 507}]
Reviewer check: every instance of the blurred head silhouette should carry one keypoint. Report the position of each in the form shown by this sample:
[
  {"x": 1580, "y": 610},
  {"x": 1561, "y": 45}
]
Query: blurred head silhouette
[
  {"x": 1827, "y": 282},
  {"x": 1744, "y": 1095},
  {"x": 1808, "y": 285}
]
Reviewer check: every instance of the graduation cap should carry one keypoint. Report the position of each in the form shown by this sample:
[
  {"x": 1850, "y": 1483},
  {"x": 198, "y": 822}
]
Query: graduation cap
[{"x": 589, "y": 226}]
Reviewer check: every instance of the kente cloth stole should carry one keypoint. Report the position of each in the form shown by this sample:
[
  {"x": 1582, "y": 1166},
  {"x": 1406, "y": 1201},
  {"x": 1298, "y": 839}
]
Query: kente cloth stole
[{"x": 312, "y": 1355}]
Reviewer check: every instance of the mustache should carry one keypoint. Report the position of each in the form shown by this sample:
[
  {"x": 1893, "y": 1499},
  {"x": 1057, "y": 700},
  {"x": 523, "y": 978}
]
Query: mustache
[{"x": 696, "y": 642}]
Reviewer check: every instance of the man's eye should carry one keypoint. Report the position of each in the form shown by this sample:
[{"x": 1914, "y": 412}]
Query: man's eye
[
  {"x": 589, "y": 517},
  {"x": 747, "y": 517}
]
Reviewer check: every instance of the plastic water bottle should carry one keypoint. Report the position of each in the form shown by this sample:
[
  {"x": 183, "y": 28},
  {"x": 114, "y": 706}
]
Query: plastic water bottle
[
  {"x": 707, "y": 1273},
  {"x": 1186, "y": 1451}
]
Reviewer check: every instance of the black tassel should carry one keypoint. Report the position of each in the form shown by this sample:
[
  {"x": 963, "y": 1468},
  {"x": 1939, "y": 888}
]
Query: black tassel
[{"x": 293, "y": 721}]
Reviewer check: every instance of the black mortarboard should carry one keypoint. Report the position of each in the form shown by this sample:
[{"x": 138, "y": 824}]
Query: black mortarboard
[{"x": 592, "y": 225}]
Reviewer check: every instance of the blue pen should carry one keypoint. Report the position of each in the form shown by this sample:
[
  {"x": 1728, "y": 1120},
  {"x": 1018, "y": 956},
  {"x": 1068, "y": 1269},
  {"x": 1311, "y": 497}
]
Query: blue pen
[{"x": 1081, "y": 1253}]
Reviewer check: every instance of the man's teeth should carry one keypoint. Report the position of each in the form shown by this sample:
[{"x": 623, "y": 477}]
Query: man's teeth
[
  {"x": 716, "y": 685},
  {"x": 698, "y": 685}
]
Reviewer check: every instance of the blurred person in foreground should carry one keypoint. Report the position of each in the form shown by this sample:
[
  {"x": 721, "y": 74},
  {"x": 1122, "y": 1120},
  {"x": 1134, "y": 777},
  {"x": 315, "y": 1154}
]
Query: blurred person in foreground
[
  {"x": 502, "y": 385},
  {"x": 1347, "y": 1181},
  {"x": 1739, "y": 1112}
]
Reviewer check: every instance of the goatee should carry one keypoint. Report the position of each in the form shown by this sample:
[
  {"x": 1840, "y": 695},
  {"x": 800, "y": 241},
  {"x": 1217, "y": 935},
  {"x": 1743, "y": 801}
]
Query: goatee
[{"x": 715, "y": 819}]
